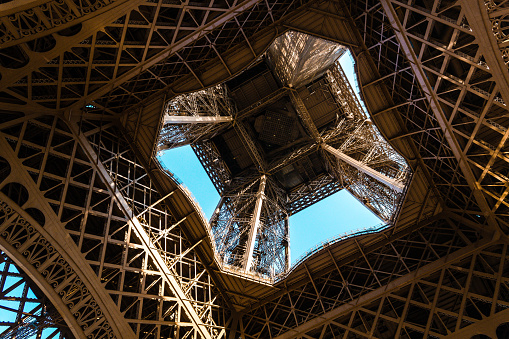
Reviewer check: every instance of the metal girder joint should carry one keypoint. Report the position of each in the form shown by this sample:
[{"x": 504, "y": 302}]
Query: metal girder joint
[{"x": 434, "y": 103}]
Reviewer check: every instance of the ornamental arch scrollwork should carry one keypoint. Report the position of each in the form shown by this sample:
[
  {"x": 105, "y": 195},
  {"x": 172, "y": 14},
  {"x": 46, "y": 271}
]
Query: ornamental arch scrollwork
[
  {"x": 30, "y": 235},
  {"x": 20, "y": 237}
]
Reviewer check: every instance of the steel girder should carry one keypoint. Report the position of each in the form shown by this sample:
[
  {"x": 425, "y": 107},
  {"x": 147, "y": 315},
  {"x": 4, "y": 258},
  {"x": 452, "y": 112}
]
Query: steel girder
[
  {"x": 436, "y": 109},
  {"x": 147, "y": 43},
  {"x": 150, "y": 243},
  {"x": 452, "y": 97},
  {"x": 108, "y": 215},
  {"x": 41, "y": 247},
  {"x": 372, "y": 295},
  {"x": 394, "y": 68}
]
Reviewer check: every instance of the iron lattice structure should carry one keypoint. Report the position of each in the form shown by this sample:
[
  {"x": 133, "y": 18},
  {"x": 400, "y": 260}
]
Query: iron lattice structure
[
  {"x": 312, "y": 128},
  {"x": 212, "y": 103},
  {"x": 120, "y": 249},
  {"x": 239, "y": 215}
]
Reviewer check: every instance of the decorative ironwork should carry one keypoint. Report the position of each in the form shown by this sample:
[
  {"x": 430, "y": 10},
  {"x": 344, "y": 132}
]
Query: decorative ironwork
[
  {"x": 433, "y": 81},
  {"x": 26, "y": 313},
  {"x": 57, "y": 272},
  {"x": 46, "y": 16}
]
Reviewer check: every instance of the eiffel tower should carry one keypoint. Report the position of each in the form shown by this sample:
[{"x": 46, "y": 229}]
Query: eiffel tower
[{"x": 98, "y": 240}]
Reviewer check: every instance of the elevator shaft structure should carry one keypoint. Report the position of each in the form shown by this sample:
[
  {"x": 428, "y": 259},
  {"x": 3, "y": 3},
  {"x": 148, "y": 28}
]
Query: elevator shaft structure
[{"x": 278, "y": 138}]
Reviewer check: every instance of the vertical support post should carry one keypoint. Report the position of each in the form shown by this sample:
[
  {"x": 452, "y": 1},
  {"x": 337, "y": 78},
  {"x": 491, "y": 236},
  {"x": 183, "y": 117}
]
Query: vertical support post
[
  {"x": 255, "y": 224},
  {"x": 287, "y": 245}
]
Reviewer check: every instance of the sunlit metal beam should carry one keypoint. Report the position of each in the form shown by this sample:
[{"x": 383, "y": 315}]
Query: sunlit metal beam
[{"x": 396, "y": 185}]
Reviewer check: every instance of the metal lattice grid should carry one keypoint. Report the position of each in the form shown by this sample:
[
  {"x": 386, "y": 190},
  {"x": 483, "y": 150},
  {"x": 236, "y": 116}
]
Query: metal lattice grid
[{"x": 434, "y": 78}]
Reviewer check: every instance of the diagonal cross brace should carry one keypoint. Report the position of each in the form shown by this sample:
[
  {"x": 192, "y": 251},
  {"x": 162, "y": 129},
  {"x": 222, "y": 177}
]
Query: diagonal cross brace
[
  {"x": 198, "y": 33},
  {"x": 396, "y": 185}
]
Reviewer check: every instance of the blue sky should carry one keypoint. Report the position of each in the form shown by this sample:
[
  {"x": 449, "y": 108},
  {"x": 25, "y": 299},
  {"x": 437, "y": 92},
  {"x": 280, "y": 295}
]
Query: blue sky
[{"x": 324, "y": 220}]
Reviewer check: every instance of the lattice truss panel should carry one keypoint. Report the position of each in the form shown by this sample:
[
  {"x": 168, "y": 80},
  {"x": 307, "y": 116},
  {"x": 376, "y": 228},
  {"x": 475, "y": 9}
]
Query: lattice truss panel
[
  {"x": 460, "y": 128},
  {"x": 354, "y": 136},
  {"x": 25, "y": 312},
  {"x": 120, "y": 223},
  {"x": 433, "y": 281},
  {"x": 299, "y": 58},
  {"x": 142, "y": 47},
  {"x": 460, "y": 296},
  {"x": 50, "y": 268},
  {"x": 358, "y": 138},
  {"x": 432, "y": 56},
  {"x": 202, "y": 114},
  {"x": 249, "y": 216}
]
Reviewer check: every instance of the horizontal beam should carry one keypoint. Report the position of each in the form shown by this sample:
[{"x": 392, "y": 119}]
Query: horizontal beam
[
  {"x": 396, "y": 185},
  {"x": 194, "y": 119}
]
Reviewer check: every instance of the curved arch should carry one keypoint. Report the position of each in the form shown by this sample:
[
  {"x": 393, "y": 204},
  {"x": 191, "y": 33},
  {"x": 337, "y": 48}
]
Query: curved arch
[
  {"x": 22, "y": 239},
  {"x": 23, "y": 30},
  {"x": 8, "y": 219},
  {"x": 26, "y": 310},
  {"x": 89, "y": 20}
]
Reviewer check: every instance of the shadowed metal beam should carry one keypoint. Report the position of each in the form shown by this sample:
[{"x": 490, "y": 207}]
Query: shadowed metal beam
[
  {"x": 71, "y": 13},
  {"x": 482, "y": 27},
  {"x": 146, "y": 242},
  {"x": 170, "y": 50},
  {"x": 385, "y": 290},
  {"x": 90, "y": 25}
]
